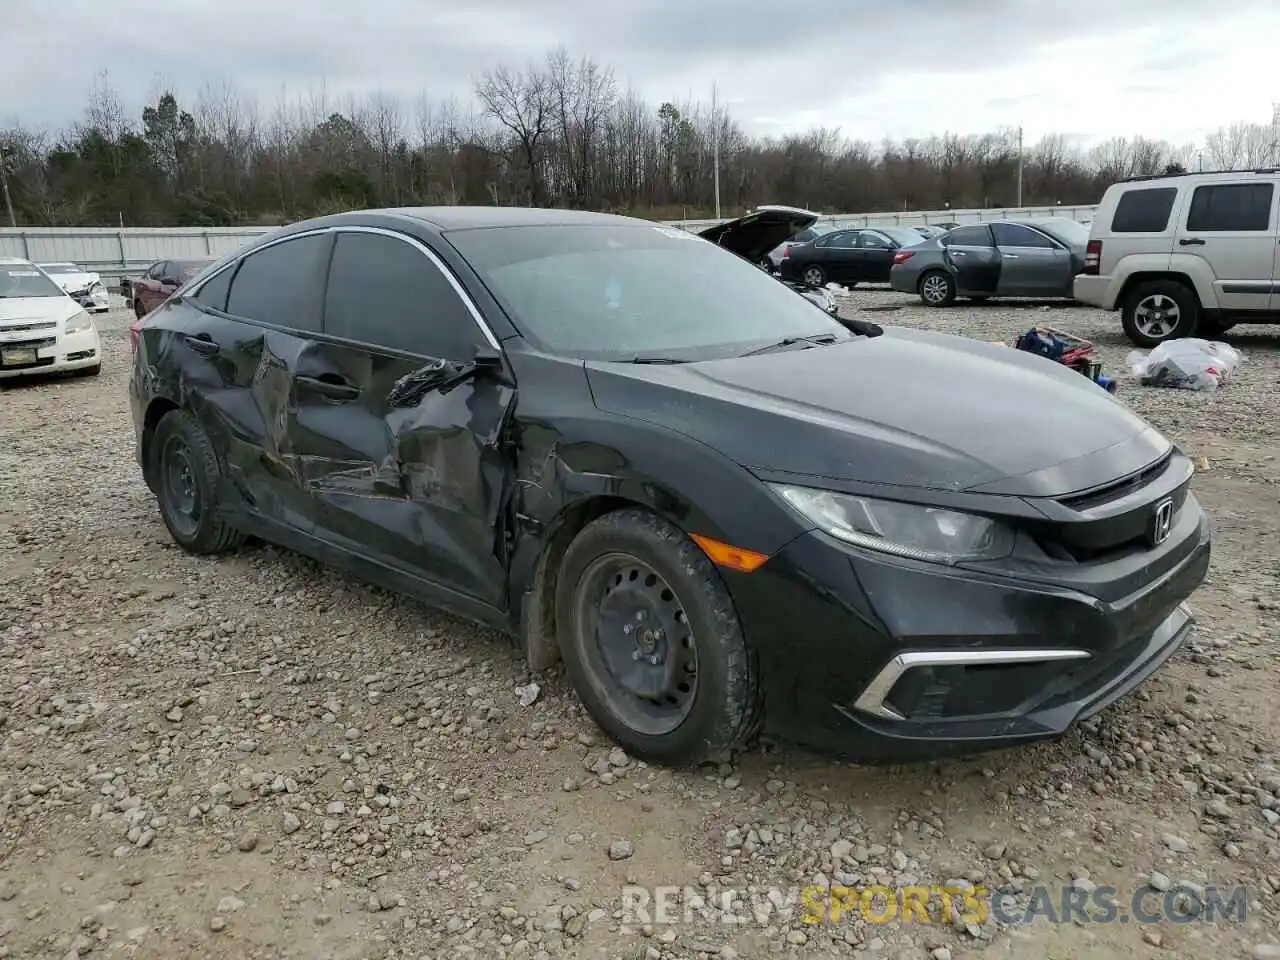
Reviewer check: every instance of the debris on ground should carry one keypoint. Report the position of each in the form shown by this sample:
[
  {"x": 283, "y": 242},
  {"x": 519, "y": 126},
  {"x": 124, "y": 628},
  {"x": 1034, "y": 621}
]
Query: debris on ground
[{"x": 1187, "y": 363}]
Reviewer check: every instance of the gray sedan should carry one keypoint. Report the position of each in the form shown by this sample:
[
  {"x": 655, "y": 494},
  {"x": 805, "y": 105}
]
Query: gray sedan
[{"x": 1001, "y": 258}]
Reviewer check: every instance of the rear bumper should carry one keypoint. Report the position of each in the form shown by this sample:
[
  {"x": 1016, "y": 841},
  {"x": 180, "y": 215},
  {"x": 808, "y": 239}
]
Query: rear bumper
[
  {"x": 1094, "y": 291},
  {"x": 904, "y": 281}
]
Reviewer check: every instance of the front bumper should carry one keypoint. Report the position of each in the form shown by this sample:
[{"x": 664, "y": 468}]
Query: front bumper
[
  {"x": 887, "y": 663},
  {"x": 34, "y": 355}
]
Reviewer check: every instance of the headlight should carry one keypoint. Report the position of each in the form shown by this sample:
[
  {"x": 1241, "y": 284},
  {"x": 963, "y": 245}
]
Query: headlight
[
  {"x": 79, "y": 323},
  {"x": 903, "y": 529},
  {"x": 97, "y": 287}
]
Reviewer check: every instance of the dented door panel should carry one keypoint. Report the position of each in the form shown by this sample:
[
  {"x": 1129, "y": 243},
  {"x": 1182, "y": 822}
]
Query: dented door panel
[{"x": 412, "y": 472}]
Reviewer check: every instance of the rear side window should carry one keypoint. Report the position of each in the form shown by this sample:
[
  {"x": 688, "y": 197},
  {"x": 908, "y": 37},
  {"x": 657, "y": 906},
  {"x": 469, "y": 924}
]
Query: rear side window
[
  {"x": 1016, "y": 235},
  {"x": 280, "y": 284},
  {"x": 1144, "y": 211},
  {"x": 387, "y": 293},
  {"x": 975, "y": 236},
  {"x": 1231, "y": 206},
  {"x": 214, "y": 292}
]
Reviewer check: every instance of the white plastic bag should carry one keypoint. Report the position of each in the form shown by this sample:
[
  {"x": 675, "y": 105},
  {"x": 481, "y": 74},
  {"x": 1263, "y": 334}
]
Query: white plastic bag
[{"x": 1187, "y": 363}]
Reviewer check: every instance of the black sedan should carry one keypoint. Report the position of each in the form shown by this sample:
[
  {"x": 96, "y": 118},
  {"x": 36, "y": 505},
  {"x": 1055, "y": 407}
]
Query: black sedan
[
  {"x": 848, "y": 257},
  {"x": 1003, "y": 258},
  {"x": 631, "y": 449}
]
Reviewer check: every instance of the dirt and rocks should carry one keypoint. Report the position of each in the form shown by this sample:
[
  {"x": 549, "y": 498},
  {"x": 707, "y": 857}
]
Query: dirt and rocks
[{"x": 253, "y": 757}]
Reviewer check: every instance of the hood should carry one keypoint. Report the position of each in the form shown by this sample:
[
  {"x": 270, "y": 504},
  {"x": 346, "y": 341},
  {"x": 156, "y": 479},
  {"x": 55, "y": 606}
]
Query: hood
[
  {"x": 18, "y": 310},
  {"x": 908, "y": 408},
  {"x": 754, "y": 235}
]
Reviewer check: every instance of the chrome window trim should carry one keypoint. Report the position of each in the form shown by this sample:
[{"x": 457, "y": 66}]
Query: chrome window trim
[{"x": 414, "y": 242}]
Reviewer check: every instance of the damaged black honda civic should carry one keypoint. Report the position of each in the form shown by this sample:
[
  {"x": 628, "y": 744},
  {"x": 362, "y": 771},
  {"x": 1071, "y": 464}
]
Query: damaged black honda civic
[{"x": 634, "y": 451}]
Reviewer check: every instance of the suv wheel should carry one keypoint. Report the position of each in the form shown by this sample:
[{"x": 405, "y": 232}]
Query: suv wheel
[{"x": 1159, "y": 310}]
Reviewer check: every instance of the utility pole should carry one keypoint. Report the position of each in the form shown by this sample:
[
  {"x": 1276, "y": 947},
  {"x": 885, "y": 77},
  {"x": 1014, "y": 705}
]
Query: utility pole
[
  {"x": 4, "y": 184},
  {"x": 1019, "y": 203},
  {"x": 715, "y": 146}
]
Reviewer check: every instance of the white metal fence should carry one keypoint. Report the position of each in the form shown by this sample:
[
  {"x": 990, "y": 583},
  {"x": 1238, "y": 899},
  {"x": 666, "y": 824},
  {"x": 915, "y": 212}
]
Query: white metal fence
[{"x": 126, "y": 252}]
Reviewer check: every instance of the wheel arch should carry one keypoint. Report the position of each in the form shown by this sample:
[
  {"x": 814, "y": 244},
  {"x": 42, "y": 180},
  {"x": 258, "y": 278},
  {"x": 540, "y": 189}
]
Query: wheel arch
[{"x": 157, "y": 410}]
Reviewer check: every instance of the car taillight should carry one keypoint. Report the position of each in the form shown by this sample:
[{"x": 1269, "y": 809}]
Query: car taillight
[
  {"x": 786, "y": 252},
  {"x": 902, "y": 256},
  {"x": 1092, "y": 257}
]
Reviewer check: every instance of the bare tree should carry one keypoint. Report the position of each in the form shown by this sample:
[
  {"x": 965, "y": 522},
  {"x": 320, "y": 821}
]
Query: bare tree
[{"x": 519, "y": 101}]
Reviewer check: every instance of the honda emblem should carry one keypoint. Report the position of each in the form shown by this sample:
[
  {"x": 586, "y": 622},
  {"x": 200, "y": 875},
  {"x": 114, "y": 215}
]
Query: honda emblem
[{"x": 1163, "y": 523}]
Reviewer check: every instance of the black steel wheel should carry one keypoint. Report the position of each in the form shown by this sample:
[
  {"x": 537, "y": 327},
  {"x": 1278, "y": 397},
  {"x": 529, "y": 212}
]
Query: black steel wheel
[
  {"x": 651, "y": 640},
  {"x": 184, "y": 474}
]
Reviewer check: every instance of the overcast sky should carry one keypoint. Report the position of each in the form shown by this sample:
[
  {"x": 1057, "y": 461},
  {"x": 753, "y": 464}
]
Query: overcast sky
[{"x": 1174, "y": 69}]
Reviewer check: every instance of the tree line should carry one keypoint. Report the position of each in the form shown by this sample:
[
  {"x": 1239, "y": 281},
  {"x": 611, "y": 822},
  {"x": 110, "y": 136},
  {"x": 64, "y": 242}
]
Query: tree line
[{"x": 558, "y": 132}]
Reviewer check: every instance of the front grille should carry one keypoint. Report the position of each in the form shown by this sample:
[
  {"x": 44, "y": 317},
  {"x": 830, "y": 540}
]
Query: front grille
[
  {"x": 1118, "y": 518},
  {"x": 27, "y": 327}
]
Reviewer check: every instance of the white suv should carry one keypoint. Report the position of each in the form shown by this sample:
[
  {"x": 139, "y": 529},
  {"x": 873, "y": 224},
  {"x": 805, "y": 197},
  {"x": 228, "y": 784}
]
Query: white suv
[{"x": 1186, "y": 255}]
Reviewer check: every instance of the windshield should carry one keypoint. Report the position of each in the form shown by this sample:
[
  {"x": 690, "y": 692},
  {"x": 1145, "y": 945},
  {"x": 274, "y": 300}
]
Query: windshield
[
  {"x": 60, "y": 268},
  {"x": 20, "y": 281},
  {"x": 1070, "y": 232},
  {"x": 622, "y": 292}
]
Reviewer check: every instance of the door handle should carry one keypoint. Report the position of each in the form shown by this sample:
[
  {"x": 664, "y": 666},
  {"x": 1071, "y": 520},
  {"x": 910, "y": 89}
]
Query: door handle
[
  {"x": 1191, "y": 242},
  {"x": 958, "y": 253},
  {"x": 1009, "y": 256},
  {"x": 328, "y": 385},
  {"x": 202, "y": 343}
]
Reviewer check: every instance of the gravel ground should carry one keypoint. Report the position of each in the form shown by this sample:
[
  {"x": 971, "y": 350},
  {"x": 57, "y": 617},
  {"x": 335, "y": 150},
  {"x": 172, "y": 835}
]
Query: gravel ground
[{"x": 252, "y": 757}]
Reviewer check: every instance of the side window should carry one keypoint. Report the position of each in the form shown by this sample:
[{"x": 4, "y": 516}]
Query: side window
[
  {"x": 804, "y": 236},
  {"x": 386, "y": 292},
  {"x": 214, "y": 292},
  {"x": 280, "y": 284},
  {"x": 1231, "y": 206},
  {"x": 870, "y": 240},
  {"x": 978, "y": 235},
  {"x": 1016, "y": 235},
  {"x": 156, "y": 270},
  {"x": 845, "y": 240},
  {"x": 1144, "y": 210}
]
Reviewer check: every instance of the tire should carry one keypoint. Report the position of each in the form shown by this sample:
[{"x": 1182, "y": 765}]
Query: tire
[
  {"x": 197, "y": 526},
  {"x": 937, "y": 289},
  {"x": 814, "y": 275},
  {"x": 138, "y": 310},
  {"x": 1176, "y": 308},
  {"x": 632, "y": 563}
]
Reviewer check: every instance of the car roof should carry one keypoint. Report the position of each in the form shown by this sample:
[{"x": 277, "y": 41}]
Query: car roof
[
  {"x": 471, "y": 217},
  {"x": 13, "y": 260}
]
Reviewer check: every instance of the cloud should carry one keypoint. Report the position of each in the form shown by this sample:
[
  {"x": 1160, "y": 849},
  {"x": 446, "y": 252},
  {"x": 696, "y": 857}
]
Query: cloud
[{"x": 873, "y": 69}]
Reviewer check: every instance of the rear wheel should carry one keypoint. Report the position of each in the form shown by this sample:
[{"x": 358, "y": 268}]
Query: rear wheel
[
  {"x": 937, "y": 289},
  {"x": 1159, "y": 310},
  {"x": 185, "y": 474},
  {"x": 814, "y": 275},
  {"x": 651, "y": 640}
]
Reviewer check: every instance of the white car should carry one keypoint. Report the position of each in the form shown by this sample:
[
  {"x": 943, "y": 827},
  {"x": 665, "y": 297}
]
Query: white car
[
  {"x": 42, "y": 330},
  {"x": 85, "y": 287}
]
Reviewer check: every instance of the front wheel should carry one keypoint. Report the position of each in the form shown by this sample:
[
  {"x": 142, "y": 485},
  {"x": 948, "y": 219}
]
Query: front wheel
[
  {"x": 185, "y": 475},
  {"x": 1158, "y": 311},
  {"x": 651, "y": 640},
  {"x": 937, "y": 289}
]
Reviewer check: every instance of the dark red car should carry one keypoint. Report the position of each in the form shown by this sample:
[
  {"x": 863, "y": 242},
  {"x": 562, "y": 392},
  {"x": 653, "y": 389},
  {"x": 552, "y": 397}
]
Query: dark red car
[{"x": 161, "y": 279}]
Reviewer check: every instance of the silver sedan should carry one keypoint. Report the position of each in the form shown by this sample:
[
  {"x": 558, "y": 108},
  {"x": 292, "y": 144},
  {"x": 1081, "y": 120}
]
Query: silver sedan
[{"x": 1036, "y": 258}]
